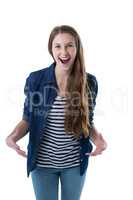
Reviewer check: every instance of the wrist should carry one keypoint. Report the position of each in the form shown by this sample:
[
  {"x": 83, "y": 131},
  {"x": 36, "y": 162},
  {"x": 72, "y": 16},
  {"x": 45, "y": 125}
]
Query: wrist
[{"x": 94, "y": 134}]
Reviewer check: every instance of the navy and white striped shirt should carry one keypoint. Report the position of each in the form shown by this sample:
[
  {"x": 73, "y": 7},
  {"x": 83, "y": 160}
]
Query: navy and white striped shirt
[{"x": 58, "y": 149}]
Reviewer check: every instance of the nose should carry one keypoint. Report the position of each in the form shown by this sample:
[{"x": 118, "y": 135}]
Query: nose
[{"x": 64, "y": 51}]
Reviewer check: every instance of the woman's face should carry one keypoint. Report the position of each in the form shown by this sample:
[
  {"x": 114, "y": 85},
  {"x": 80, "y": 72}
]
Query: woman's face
[{"x": 64, "y": 50}]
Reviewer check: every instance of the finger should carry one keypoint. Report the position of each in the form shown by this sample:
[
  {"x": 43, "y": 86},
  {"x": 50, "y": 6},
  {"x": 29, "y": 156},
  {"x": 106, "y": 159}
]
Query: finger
[
  {"x": 93, "y": 153},
  {"x": 15, "y": 147},
  {"x": 18, "y": 150},
  {"x": 96, "y": 152},
  {"x": 22, "y": 153},
  {"x": 12, "y": 144}
]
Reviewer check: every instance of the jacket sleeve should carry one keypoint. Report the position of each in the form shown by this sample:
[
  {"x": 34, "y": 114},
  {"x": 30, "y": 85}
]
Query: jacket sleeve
[
  {"x": 93, "y": 87},
  {"x": 26, "y": 108}
]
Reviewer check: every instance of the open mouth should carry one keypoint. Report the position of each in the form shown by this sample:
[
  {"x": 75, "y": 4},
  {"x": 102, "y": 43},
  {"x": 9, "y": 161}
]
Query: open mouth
[{"x": 64, "y": 61}]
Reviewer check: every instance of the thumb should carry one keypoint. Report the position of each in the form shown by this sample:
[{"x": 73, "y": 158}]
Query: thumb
[{"x": 15, "y": 147}]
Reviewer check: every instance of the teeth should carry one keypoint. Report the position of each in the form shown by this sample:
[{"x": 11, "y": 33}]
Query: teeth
[{"x": 64, "y": 60}]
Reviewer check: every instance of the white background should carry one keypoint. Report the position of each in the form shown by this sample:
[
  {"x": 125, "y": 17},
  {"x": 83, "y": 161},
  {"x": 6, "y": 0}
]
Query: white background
[{"x": 106, "y": 30}]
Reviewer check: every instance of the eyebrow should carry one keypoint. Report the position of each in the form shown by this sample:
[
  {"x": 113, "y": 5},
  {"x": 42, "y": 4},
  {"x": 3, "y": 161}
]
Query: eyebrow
[{"x": 65, "y": 43}]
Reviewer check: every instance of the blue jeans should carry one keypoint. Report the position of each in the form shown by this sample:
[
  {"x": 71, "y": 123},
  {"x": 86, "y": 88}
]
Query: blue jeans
[{"x": 46, "y": 180}]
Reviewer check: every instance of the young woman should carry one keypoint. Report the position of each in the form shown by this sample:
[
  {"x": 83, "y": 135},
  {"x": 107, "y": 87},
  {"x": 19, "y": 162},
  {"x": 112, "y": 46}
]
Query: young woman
[{"x": 58, "y": 114}]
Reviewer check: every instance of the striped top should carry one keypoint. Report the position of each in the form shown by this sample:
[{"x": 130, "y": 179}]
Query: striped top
[{"x": 58, "y": 149}]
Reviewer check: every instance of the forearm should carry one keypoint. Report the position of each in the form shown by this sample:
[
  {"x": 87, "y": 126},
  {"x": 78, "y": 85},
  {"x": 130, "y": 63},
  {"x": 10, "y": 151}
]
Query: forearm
[
  {"x": 20, "y": 130},
  {"x": 94, "y": 134}
]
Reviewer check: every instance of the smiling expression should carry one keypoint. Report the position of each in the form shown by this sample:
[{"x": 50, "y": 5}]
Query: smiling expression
[{"x": 64, "y": 50}]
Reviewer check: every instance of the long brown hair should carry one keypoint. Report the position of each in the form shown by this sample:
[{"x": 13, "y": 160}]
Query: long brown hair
[{"x": 77, "y": 109}]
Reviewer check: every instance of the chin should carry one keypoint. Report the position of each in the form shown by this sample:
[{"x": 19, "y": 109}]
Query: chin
[{"x": 66, "y": 68}]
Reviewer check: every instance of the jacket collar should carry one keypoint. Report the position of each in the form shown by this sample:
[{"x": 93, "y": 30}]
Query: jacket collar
[
  {"x": 45, "y": 76},
  {"x": 50, "y": 74}
]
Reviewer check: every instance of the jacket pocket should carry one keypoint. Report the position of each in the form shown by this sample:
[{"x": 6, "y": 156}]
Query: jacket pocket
[{"x": 86, "y": 145}]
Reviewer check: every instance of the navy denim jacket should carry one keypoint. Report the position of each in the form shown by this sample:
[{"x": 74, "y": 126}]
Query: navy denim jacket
[{"x": 41, "y": 90}]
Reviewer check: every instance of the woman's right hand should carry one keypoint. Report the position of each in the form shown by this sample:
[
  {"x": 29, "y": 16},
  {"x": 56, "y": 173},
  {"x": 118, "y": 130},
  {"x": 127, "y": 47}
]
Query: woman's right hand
[
  {"x": 10, "y": 141},
  {"x": 19, "y": 132}
]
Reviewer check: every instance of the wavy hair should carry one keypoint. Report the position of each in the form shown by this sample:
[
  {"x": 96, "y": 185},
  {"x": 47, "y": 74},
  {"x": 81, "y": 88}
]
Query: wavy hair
[{"x": 77, "y": 109}]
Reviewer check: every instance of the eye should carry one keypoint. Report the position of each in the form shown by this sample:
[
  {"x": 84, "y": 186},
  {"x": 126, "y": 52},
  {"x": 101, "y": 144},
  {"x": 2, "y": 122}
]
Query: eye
[
  {"x": 57, "y": 46},
  {"x": 70, "y": 45}
]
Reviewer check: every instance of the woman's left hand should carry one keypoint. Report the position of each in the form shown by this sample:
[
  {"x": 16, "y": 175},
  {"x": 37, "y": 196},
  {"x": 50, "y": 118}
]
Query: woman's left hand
[{"x": 100, "y": 144}]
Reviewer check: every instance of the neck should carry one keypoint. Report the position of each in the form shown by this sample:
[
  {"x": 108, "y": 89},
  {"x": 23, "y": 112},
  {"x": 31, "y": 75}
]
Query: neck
[
  {"x": 61, "y": 78},
  {"x": 61, "y": 75}
]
